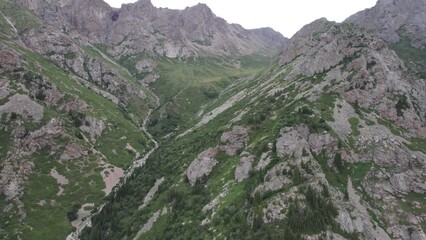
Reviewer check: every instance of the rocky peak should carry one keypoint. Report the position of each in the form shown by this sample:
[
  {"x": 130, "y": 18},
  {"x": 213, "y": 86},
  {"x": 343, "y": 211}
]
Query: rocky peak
[
  {"x": 312, "y": 27},
  {"x": 144, "y": 3},
  {"x": 200, "y": 7},
  {"x": 142, "y": 28},
  {"x": 389, "y": 17},
  {"x": 200, "y": 13},
  {"x": 269, "y": 34},
  {"x": 368, "y": 72},
  {"x": 141, "y": 8}
]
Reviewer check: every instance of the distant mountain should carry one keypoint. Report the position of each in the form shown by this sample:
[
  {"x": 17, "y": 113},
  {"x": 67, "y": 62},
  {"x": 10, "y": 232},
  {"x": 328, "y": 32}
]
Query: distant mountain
[
  {"x": 151, "y": 123},
  {"x": 142, "y": 28}
]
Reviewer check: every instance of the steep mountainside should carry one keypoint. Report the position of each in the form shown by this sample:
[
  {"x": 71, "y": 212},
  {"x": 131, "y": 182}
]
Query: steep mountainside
[
  {"x": 69, "y": 126},
  {"x": 327, "y": 143},
  {"x": 150, "y": 123},
  {"x": 74, "y": 115},
  {"x": 389, "y": 17},
  {"x": 142, "y": 28},
  {"x": 402, "y": 23}
]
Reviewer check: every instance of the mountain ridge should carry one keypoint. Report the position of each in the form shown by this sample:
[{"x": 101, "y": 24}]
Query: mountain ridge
[
  {"x": 188, "y": 32},
  {"x": 218, "y": 131},
  {"x": 388, "y": 17}
]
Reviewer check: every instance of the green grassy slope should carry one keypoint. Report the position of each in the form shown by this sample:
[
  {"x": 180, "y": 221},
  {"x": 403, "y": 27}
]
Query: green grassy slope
[{"x": 46, "y": 211}]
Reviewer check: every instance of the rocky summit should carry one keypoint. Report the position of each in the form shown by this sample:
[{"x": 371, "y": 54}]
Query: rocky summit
[{"x": 150, "y": 123}]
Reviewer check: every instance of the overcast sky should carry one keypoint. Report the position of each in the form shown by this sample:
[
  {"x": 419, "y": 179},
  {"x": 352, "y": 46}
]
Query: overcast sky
[{"x": 285, "y": 16}]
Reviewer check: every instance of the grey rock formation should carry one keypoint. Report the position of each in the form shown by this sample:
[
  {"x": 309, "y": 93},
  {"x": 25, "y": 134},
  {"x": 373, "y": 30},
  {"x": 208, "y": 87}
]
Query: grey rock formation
[
  {"x": 320, "y": 142},
  {"x": 202, "y": 166},
  {"x": 298, "y": 142},
  {"x": 234, "y": 140},
  {"x": 293, "y": 141},
  {"x": 150, "y": 223},
  {"x": 9, "y": 58},
  {"x": 76, "y": 105},
  {"x": 388, "y": 18},
  {"x": 274, "y": 179},
  {"x": 264, "y": 160},
  {"x": 243, "y": 169},
  {"x": 366, "y": 71},
  {"x": 150, "y": 195},
  {"x": 94, "y": 127},
  {"x": 15, "y": 170},
  {"x": 45, "y": 136},
  {"x": 142, "y": 28},
  {"x": 24, "y": 106},
  {"x": 371, "y": 230},
  {"x": 145, "y": 66}
]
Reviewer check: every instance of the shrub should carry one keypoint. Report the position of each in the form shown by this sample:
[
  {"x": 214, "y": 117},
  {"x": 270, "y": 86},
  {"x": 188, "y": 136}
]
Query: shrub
[
  {"x": 72, "y": 214},
  {"x": 402, "y": 104}
]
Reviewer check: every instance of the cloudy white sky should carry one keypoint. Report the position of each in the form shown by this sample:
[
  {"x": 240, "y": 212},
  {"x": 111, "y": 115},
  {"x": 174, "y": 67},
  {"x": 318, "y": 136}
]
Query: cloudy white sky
[{"x": 285, "y": 16}]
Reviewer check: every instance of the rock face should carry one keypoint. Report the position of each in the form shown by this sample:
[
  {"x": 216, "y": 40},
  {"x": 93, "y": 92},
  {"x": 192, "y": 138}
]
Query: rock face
[
  {"x": 360, "y": 68},
  {"x": 15, "y": 170},
  {"x": 293, "y": 142},
  {"x": 298, "y": 142},
  {"x": 243, "y": 169},
  {"x": 142, "y": 28},
  {"x": 370, "y": 230},
  {"x": 24, "y": 106},
  {"x": 274, "y": 179},
  {"x": 202, "y": 166},
  {"x": 231, "y": 142},
  {"x": 366, "y": 70},
  {"x": 234, "y": 140},
  {"x": 94, "y": 127},
  {"x": 389, "y": 17},
  {"x": 9, "y": 58},
  {"x": 45, "y": 136},
  {"x": 150, "y": 195}
]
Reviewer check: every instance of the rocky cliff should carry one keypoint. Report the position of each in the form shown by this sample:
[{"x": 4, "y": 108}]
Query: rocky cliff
[
  {"x": 142, "y": 28},
  {"x": 390, "y": 18},
  {"x": 147, "y": 123}
]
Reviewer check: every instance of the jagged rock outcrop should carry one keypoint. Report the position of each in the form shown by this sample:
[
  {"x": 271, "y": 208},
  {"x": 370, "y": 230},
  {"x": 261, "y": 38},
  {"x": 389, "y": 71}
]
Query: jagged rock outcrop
[
  {"x": 93, "y": 126},
  {"x": 202, "y": 166},
  {"x": 16, "y": 169},
  {"x": 293, "y": 142},
  {"x": 24, "y": 106},
  {"x": 389, "y": 17},
  {"x": 142, "y": 28},
  {"x": 66, "y": 53},
  {"x": 234, "y": 140},
  {"x": 243, "y": 169},
  {"x": 366, "y": 70},
  {"x": 297, "y": 142},
  {"x": 45, "y": 136},
  {"x": 274, "y": 179},
  {"x": 371, "y": 230},
  {"x": 231, "y": 143},
  {"x": 76, "y": 105}
]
